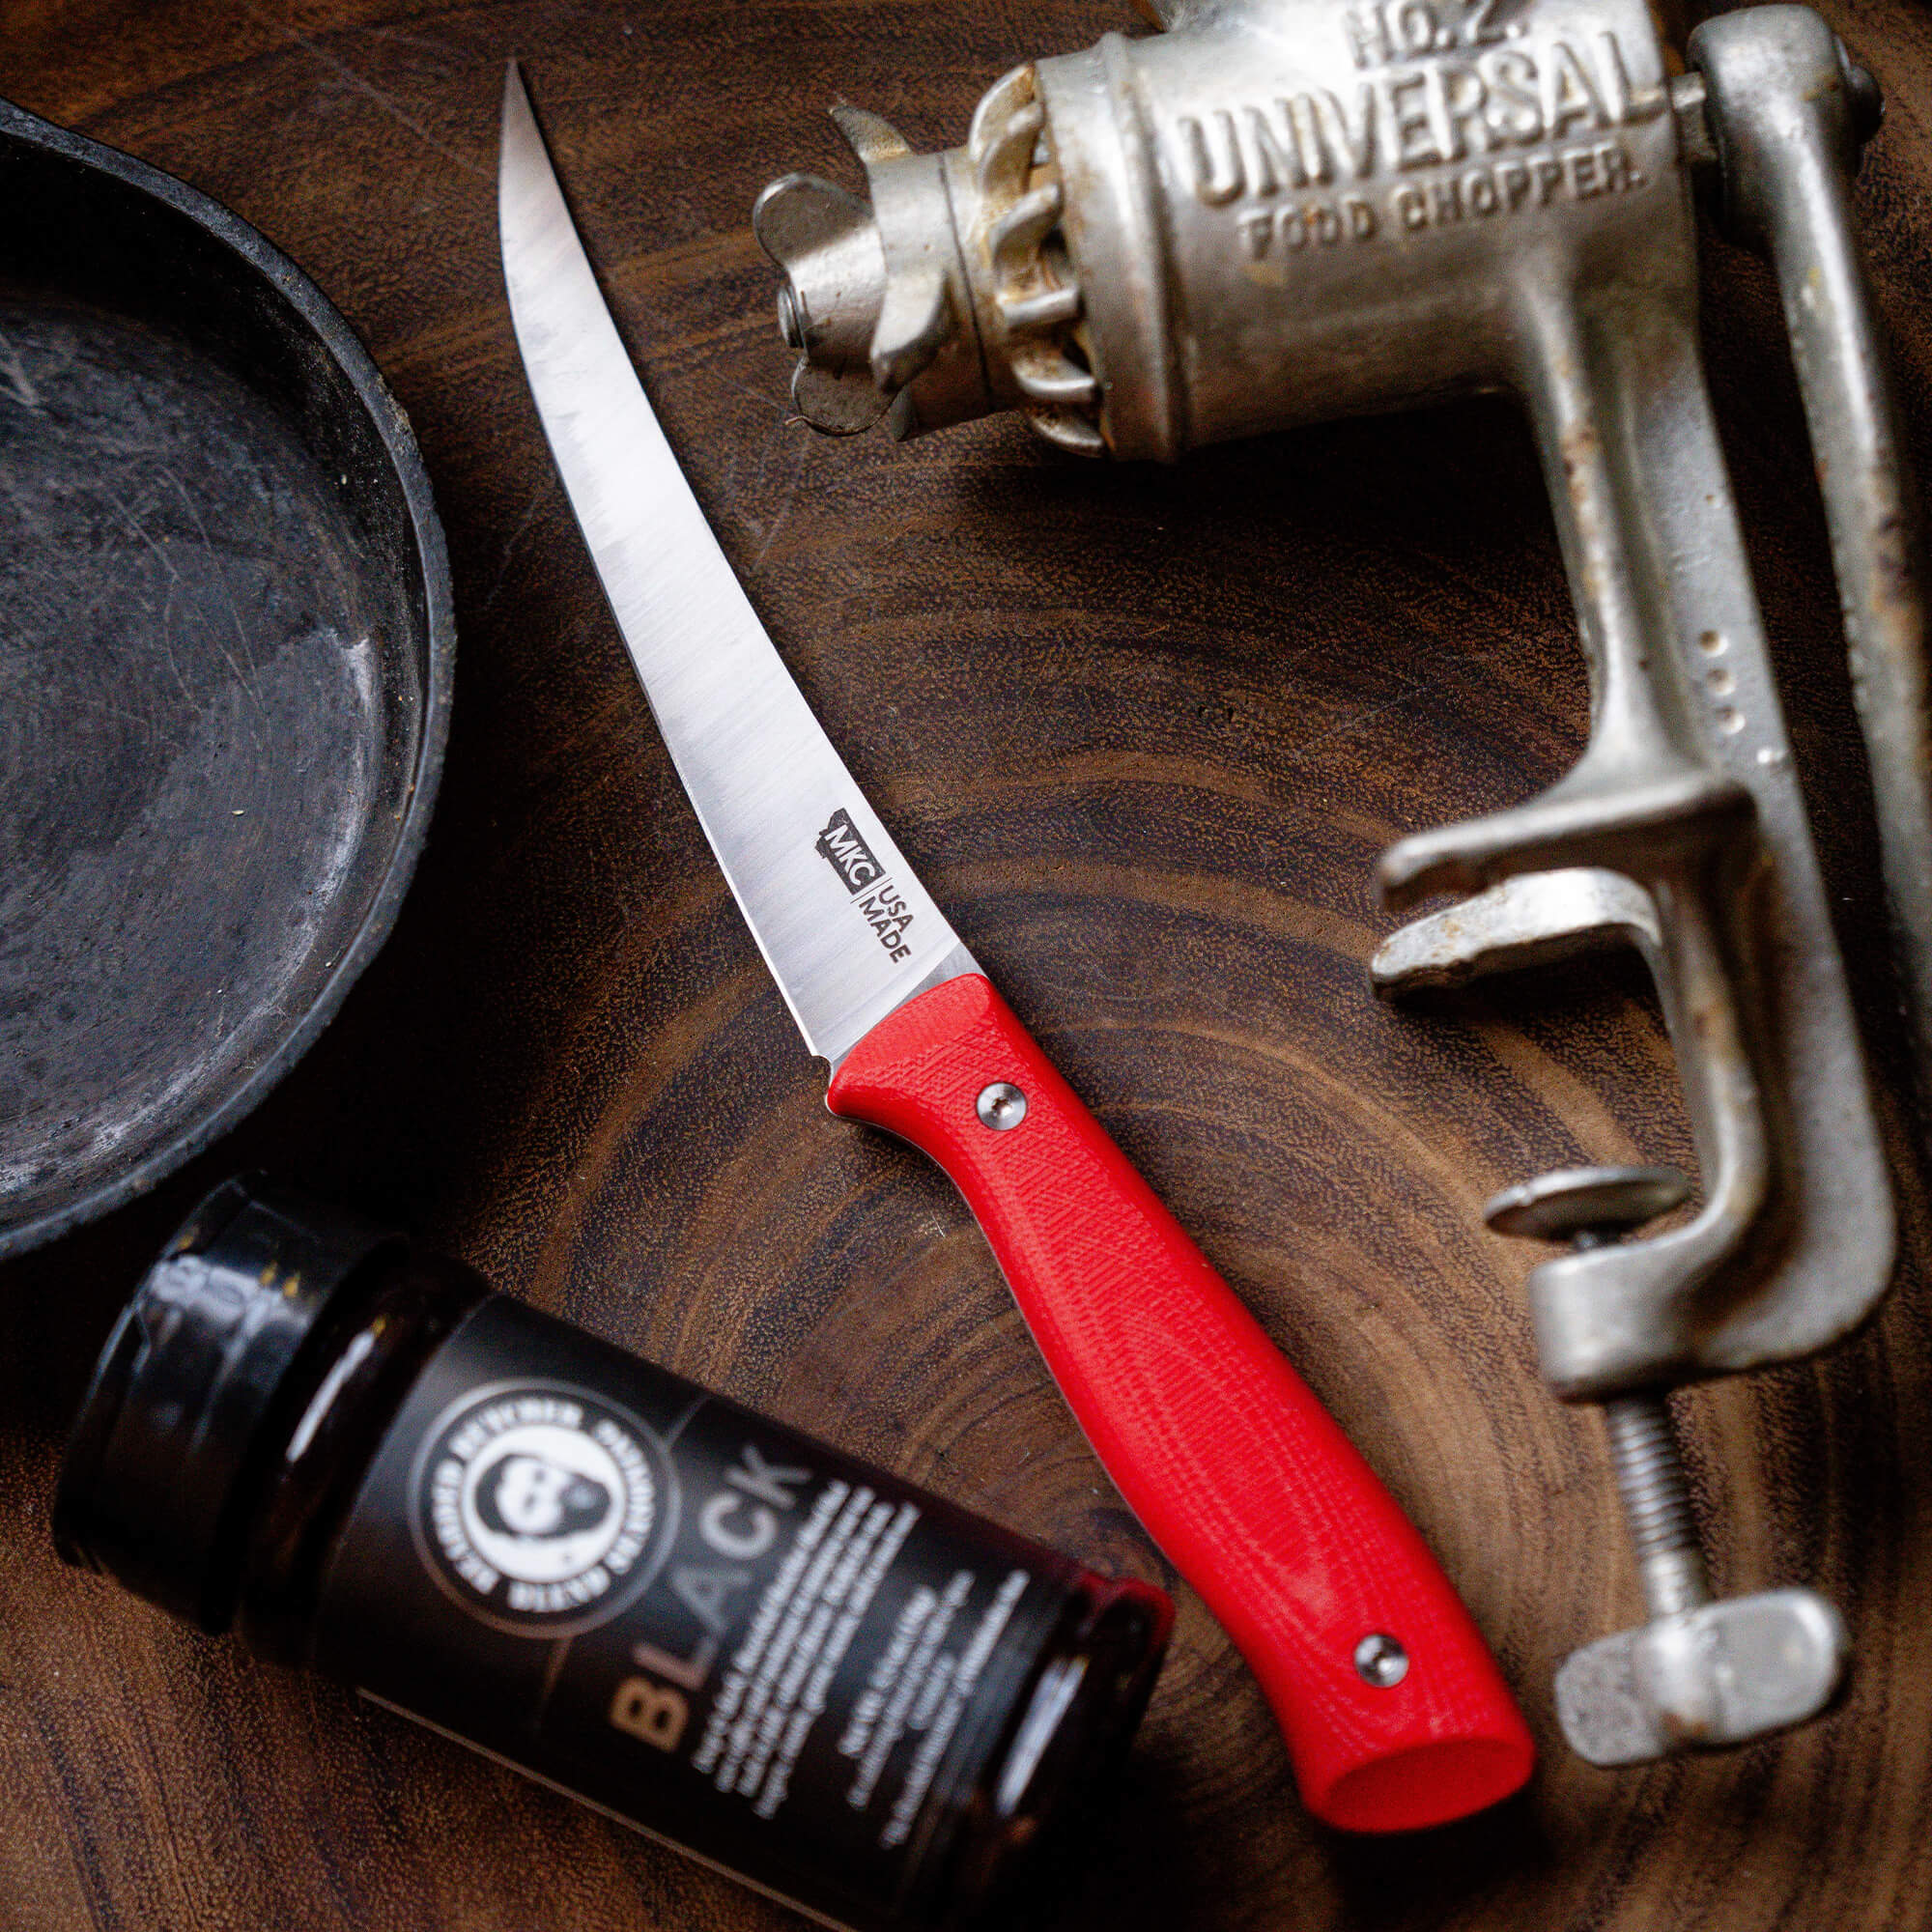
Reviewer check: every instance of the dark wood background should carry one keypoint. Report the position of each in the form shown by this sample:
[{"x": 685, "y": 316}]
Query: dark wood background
[{"x": 1144, "y": 734}]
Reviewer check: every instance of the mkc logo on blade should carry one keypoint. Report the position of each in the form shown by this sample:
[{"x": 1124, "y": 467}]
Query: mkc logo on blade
[{"x": 843, "y": 847}]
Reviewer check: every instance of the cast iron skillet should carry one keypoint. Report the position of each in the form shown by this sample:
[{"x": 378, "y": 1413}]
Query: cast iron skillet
[{"x": 226, "y": 649}]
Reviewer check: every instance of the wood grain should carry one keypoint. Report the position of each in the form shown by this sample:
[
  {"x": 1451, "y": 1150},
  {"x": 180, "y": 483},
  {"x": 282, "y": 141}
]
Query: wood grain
[{"x": 1144, "y": 734}]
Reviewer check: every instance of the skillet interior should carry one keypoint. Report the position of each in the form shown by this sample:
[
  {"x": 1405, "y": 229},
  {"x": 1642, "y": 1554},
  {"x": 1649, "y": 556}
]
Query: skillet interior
[{"x": 225, "y": 654}]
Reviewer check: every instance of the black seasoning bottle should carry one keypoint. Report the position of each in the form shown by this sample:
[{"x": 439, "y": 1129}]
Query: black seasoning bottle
[{"x": 836, "y": 1687}]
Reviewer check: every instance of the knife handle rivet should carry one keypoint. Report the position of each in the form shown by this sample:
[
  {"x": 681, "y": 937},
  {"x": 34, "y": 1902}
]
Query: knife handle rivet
[
  {"x": 1001, "y": 1106},
  {"x": 1380, "y": 1661}
]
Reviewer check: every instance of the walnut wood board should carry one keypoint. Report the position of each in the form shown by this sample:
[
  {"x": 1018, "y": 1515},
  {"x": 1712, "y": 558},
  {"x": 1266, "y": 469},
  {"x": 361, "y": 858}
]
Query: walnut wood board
[{"x": 1144, "y": 734}]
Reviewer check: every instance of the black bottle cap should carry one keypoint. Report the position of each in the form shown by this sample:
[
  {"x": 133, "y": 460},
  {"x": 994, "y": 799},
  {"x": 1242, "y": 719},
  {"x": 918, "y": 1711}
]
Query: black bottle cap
[{"x": 192, "y": 1388}]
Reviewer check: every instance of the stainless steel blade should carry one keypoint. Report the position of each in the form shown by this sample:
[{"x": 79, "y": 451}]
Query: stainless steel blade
[{"x": 845, "y": 927}]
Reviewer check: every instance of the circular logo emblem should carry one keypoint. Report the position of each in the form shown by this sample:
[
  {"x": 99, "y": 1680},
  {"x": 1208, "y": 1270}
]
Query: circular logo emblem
[{"x": 540, "y": 1507}]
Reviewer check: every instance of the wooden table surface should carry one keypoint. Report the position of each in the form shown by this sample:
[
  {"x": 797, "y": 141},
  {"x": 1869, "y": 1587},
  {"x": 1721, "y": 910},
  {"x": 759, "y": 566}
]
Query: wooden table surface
[{"x": 1144, "y": 734}]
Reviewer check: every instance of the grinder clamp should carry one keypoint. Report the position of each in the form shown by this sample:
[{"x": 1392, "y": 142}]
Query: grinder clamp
[{"x": 1278, "y": 212}]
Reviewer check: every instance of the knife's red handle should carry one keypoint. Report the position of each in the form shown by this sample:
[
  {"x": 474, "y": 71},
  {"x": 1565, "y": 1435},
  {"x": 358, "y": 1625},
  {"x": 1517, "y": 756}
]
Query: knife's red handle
[{"x": 1218, "y": 1446}]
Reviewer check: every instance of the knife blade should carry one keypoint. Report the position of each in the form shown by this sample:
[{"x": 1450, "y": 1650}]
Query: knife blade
[{"x": 1393, "y": 1711}]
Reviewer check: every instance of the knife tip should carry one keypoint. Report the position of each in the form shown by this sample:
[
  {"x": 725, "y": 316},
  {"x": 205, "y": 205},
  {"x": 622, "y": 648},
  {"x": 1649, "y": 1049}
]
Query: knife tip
[
  {"x": 516, "y": 95},
  {"x": 518, "y": 127}
]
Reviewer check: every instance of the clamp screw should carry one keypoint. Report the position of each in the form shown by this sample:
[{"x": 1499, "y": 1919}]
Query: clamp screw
[
  {"x": 1699, "y": 1672},
  {"x": 1594, "y": 1206},
  {"x": 1001, "y": 1106},
  {"x": 1657, "y": 1503}
]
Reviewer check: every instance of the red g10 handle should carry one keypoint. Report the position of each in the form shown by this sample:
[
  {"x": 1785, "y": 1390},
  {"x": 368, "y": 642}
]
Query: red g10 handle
[{"x": 1218, "y": 1446}]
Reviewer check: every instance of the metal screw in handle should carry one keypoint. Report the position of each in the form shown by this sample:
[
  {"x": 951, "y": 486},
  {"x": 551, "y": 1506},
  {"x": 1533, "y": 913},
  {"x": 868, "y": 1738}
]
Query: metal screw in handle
[{"x": 1380, "y": 1661}]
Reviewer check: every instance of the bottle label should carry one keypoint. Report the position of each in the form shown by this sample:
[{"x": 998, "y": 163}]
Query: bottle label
[{"x": 789, "y": 1662}]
